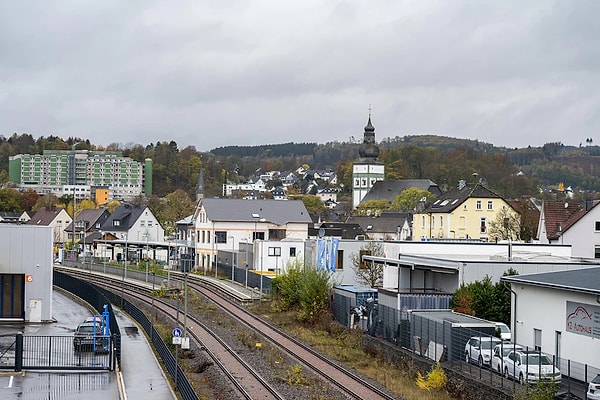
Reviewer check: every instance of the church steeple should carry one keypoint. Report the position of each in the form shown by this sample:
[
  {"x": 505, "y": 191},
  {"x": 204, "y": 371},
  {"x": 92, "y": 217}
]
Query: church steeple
[
  {"x": 368, "y": 149},
  {"x": 367, "y": 170},
  {"x": 200, "y": 186}
]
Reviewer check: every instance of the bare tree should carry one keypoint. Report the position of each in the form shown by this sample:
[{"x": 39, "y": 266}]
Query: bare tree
[
  {"x": 507, "y": 225},
  {"x": 368, "y": 272}
]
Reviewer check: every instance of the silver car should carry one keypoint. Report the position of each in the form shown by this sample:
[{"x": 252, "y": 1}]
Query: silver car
[
  {"x": 500, "y": 352},
  {"x": 593, "y": 392},
  {"x": 479, "y": 349},
  {"x": 530, "y": 366}
]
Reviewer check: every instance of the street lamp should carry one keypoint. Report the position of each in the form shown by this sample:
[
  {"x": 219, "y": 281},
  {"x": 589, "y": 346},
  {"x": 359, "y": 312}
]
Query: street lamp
[
  {"x": 232, "y": 258},
  {"x": 246, "y": 259},
  {"x": 147, "y": 234}
]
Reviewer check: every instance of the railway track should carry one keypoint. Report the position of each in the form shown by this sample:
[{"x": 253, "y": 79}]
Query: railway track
[{"x": 347, "y": 381}]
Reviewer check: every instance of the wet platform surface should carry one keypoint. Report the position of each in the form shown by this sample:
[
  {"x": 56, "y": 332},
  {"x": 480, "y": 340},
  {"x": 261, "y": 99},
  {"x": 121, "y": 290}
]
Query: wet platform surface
[{"x": 142, "y": 377}]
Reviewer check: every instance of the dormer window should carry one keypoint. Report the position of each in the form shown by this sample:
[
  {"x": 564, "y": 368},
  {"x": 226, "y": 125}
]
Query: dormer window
[{"x": 116, "y": 222}]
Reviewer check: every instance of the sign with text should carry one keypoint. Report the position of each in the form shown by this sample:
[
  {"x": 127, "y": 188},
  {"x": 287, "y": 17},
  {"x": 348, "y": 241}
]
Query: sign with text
[{"x": 583, "y": 319}]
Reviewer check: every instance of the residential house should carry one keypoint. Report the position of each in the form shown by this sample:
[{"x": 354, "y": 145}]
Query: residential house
[
  {"x": 388, "y": 226},
  {"x": 222, "y": 224},
  {"x": 461, "y": 213},
  {"x": 133, "y": 226},
  {"x": 57, "y": 218},
  {"x": 572, "y": 223},
  {"x": 389, "y": 189},
  {"x": 87, "y": 221},
  {"x": 13, "y": 217}
]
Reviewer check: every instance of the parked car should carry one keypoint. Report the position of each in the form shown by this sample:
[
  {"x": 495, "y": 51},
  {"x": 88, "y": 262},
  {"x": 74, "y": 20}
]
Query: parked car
[
  {"x": 479, "y": 349},
  {"x": 530, "y": 366},
  {"x": 593, "y": 392},
  {"x": 500, "y": 352},
  {"x": 505, "y": 333},
  {"x": 89, "y": 336}
]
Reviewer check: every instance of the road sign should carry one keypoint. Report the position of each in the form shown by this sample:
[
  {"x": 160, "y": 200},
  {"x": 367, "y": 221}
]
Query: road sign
[{"x": 177, "y": 332}]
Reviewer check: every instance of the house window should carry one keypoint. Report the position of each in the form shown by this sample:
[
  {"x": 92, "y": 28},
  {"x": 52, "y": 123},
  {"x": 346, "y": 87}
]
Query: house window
[
  {"x": 142, "y": 222},
  {"x": 596, "y": 251},
  {"x": 483, "y": 227},
  {"x": 116, "y": 222},
  {"x": 149, "y": 224},
  {"x": 292, "y": 252},
  {"x": 441, "y": 221},
  {"x": 364, "y": 182},
  {"x": 537, "y": 339},
  {"x": 258, "y": 236},
  {"x": 490, "y": 205},
  {"x": 339, "y": 261},
  {"x": 597, "y": 226},
  {"x": 220, "y": 237},
  {"x": 478, "y": 205},
  {"x": 433, "y": 222},
  {"x": 274, "y": 251},
  {"x": 423, "y": 221},
  {"x": 357, "y": 182},
  {"x": 276, "y": 234}
]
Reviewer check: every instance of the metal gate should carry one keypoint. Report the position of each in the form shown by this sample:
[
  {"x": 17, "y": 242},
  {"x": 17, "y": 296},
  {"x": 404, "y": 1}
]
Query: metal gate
[{"x": 19, "y": 352}]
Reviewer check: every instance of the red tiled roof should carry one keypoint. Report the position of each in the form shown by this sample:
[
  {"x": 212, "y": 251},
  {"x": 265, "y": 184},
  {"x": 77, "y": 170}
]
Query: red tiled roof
[{"x": 556, "y": 215}]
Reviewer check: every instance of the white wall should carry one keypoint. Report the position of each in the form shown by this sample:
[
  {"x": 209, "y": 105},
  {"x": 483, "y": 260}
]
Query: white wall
[
  {"x": 27, "y": 249},
  {"x": 582, "y": 236},
  {"x": 545, "y": 309}
]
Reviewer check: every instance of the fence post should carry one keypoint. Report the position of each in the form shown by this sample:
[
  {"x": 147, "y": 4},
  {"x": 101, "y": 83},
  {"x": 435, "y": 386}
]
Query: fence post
[{"x": 19, "y": 352}]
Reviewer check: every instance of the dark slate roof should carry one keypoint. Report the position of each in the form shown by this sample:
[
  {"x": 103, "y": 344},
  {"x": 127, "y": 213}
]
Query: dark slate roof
[
  {"x": 452, "y": 199},
  {"x": 586, "y": 280},
  {"x": 90, "y": 216},
  {"x": 556, "y": 215},
  {"x": 337, "y": 229},
  {"x": 386, "y": 223},
  {"x": 44, "y": 216},
  {"x": 238, "y": 210},
  {"x": 126, "y": 214},
  {"x": 388, "y": 190}
]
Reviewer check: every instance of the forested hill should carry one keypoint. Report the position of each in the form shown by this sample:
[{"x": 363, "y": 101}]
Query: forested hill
[{"x": 511, "y": 172}]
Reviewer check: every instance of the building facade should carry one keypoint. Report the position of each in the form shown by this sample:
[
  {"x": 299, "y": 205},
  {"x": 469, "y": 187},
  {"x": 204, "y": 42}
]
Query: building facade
[
  {"x": 71, "y": 171},
  {"x": 465, "y": 212},
  {"x": 367, "y": 170}
]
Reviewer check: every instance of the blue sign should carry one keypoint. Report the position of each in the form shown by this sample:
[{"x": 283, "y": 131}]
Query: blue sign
[{"x": 177, "y": 332}]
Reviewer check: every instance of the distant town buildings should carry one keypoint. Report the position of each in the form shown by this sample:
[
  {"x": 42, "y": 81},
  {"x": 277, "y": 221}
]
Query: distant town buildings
[{"x": 82, "y": 173}]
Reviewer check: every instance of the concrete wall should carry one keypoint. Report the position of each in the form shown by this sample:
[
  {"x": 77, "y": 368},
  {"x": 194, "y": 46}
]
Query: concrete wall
[{"x": 27, "y": 250}]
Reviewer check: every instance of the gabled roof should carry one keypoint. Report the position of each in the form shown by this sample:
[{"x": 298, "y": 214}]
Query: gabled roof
[
  {"x": 45, "y": 216},
  {"x": 452, "y": 199},
  {"x": 90, "y": 216},
  {"x": 586, "y": 280},
  {"x": 388, "y": 190},
  {"x": 337, "y": 229},
  {"x": 556, "y": 215},
  {"x": 238, "y": 210},
  {"x": 126, "y": 214},
  {"x": 386, "y": 223}
]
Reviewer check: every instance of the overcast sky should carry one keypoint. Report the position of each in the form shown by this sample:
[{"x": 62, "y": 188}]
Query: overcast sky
[{"x": 215, "y": 73}]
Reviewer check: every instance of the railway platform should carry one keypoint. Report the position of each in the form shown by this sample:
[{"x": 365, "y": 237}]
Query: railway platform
[{"x": 140, "y": 376}]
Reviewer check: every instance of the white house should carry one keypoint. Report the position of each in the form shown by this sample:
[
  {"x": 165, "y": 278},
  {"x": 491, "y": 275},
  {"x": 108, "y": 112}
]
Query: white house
[
  {"x": 132, "y": 226},
  {"x": 559, "y": 314},
  {"x": 225, "y": 224},
  {"x": 570, "y": 223},
  {"x": 57, "y": 218}
]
